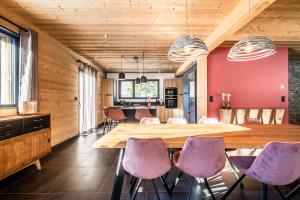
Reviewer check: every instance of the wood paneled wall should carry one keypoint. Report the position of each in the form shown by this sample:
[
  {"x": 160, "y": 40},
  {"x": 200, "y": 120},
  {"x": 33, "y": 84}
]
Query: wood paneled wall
[{"x": 58, "y": 81}]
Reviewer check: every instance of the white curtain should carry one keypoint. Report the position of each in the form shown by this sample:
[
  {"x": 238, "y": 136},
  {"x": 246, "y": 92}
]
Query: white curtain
[
  {"x": 88, "y": 119},
  {"x": 28, "y": 70}
]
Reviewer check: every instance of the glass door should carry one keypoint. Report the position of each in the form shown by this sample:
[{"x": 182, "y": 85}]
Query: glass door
[
  {"x": 80, "y": 100},
  {"x": 190, "y": 96}
]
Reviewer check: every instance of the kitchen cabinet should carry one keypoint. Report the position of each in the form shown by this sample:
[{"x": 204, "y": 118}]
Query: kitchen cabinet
[{"x": 108, "y": 87}]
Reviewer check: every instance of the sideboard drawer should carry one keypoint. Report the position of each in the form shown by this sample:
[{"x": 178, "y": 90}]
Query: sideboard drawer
[
  {"x": 10, "y": 133},
  {"x": 37, "y": 120},
  {"x": 13, "y": 124},
  {"x": 36, "y": 127}
]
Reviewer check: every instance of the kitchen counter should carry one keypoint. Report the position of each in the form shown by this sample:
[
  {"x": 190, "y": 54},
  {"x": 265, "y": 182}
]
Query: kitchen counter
[{"x": 138, "y": 107}]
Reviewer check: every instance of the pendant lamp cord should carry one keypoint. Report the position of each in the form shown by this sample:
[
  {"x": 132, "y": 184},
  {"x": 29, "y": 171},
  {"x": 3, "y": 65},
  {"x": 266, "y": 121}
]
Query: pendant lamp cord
[
  {"x": 143, "y": 63},
  {"x": 137, "y": 67},
  {"x": 121, "y": 64}
]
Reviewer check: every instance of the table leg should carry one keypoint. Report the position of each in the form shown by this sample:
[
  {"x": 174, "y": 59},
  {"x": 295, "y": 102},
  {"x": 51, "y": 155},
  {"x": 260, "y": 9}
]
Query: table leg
[{"x": 118, "y": 183}]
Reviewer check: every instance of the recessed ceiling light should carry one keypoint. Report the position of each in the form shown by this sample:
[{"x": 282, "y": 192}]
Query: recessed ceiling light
[{"x": 105, "y": 35}]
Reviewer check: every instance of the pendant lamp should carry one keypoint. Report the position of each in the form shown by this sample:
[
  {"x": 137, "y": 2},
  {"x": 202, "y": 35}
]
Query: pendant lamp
[
  {"x": 187, "y": 46},
  {"x": 137, "y": 80},
  {"x": 121, "y": 75},
  {"x": 251, "y": 48},
  {"x": 143, "y": 78}
]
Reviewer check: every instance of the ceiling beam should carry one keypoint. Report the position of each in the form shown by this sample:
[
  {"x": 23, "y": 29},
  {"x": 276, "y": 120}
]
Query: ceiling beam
[{"x": 234, "y": 21}]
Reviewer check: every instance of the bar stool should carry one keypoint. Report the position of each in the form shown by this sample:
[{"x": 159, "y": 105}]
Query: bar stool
[
  {"x": 146, "y": 159},
  {"x": 107, "y": 121},
  {"x": 150, "y": 120},
  {"x": 140, "y": 113},
  {"x": 176, "y": 121},
  {"x": 277, "y": 165},
  {"x": 201, "y": 157},
  {"x": 116, "y": 115}
]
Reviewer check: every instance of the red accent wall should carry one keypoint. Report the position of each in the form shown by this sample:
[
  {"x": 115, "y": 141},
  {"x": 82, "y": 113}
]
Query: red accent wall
[{"x": 254, "y": 84}]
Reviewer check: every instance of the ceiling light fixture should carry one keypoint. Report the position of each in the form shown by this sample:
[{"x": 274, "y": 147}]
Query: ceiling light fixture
[
  {"x": 143, "y": 78},
  {"x": 137, "y": 80},
  {"x": 252, "y": 47},
  {"x": 121, "y": 75},
  {"x": 187, "y": 46}
]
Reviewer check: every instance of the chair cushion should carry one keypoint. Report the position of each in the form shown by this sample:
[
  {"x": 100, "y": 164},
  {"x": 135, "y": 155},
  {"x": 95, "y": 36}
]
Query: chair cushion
[{"x": 242, "y": 162}]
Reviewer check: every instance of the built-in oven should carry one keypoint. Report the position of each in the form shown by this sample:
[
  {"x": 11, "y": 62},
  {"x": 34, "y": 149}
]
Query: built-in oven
[{"x": 171, "y": 98}]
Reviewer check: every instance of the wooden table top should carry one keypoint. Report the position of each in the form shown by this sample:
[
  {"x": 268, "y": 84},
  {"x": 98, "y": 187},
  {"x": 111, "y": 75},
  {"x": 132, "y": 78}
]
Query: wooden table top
[{"x": 235, "y": 136}]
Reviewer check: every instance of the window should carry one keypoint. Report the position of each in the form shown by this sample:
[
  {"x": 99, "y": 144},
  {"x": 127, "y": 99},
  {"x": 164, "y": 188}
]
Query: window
[
  {"x": 129, "y": 90},
  {"x": 9, "y": 51},
  {"x": 126, "y": 89}
]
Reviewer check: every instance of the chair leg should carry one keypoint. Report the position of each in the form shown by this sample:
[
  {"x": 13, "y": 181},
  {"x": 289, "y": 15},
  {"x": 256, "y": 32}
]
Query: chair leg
[
  {"x": 176, "y": 181},
  {"x": 133, "y": 184},
  {"x": 264, "y": 191},
  {"x": 233, "y": 187},
  {"x": 104, "y": 126},
  {"x": 280, "y": 193},
  {"x": 132, "y": 179},
  {"x": 232, "y": 167},
  {"x": 166, "y": 185},
  {"x": 234, "y": 171},
  {"x": 293, "y": 192},
  {"x": 252, "y": 152},
  {"x": 209, "y": 189},
  {"x": 136, "y": 189},
  {"x": 155, "y": 188}
]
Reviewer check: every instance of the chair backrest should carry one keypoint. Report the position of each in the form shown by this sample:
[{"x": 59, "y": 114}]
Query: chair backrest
[
  {"x": 205, "y": 120},
  {"x": 277, "y": 164},
  {"x": 202, "y": 157},
  {"x": 116, "y": 114},
  {"x": 252, "y": 121},
  {"x": 146, "y": 158},
  {"x": 149, "y": 120},
  {"x": 140, "y": 113},
  {"x": 176, "y": 121}
]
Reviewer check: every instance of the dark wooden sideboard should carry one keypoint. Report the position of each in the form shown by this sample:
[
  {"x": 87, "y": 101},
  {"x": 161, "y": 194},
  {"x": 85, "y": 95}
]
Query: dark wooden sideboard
[{"x": 23, "y": 141}]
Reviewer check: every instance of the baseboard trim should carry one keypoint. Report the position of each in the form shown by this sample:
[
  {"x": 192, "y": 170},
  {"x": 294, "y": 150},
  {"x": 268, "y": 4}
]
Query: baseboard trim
[{"x": 57, "y": 146}]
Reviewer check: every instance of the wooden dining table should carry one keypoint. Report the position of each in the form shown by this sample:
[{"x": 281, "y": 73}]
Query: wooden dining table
[{"x": 174, "y": 136}]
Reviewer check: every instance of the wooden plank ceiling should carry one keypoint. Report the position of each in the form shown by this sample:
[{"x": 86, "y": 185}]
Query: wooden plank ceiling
[{"x": 103, "y": 30}]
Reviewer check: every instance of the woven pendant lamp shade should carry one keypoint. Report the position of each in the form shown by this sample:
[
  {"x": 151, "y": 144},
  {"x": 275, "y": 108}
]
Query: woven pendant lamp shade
[
  {"x": 186, "y": 47},
  {"x": 251, "y": 48}
]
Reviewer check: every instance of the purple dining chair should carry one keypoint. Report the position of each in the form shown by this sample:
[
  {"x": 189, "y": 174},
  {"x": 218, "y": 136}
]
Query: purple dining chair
[
  {"x": 277, "y": 165},
  {"x": 176, "y": 121},
  {"x": 149, "y": 120},
  {"x": 146, "y": 159},
  {"x": 201, "y": 157},
  {"x": 212, "y": 121}
]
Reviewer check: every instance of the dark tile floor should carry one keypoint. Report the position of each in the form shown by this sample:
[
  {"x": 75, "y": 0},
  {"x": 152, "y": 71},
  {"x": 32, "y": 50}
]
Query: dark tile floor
[{"x": 76, "y": 171}]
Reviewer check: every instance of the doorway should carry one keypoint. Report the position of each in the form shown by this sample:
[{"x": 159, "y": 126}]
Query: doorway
[
  {"x": 190, "y": 95},
  {"x": 87, "y": 100},
  {"x": 80, "y": 100}
]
